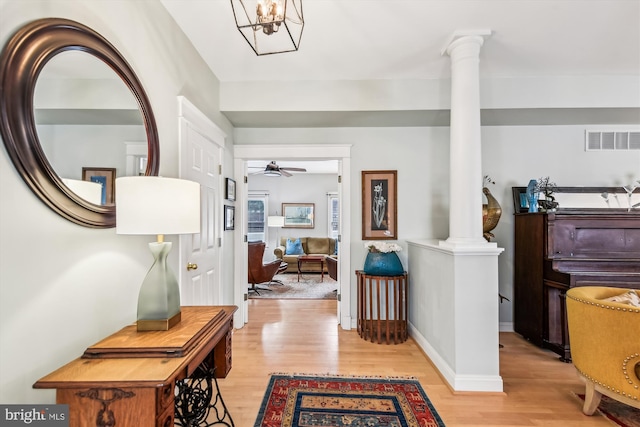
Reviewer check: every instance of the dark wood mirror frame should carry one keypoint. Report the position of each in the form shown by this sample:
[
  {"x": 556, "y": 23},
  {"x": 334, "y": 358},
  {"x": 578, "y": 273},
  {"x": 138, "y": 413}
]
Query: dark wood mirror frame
[{"x": 21, "y": 62}]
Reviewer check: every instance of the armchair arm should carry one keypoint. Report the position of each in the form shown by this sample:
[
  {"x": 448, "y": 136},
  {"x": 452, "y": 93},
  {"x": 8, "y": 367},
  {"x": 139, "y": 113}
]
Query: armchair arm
[
  {"x": 271, "y": 268},
  {"x": 265, "y": 272},
  {"x": 279, "y": 252}
]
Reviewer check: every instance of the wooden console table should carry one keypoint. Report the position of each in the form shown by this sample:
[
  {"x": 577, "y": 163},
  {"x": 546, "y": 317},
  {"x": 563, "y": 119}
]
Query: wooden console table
[
  {"x": 152, "y": 378},
  {"x": 382, "y": 307}
]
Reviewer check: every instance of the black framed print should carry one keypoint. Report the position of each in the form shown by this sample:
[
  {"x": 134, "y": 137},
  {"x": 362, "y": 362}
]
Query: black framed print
[
  {"x": 229, "y": 217},
  {"x": 230, "y": 193},
  {"x": 520, "y": 202}
]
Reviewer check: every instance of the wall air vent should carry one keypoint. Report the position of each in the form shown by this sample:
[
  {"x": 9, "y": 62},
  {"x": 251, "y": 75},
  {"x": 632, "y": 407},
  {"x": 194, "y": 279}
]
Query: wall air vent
[{"x": 609, "y": 140}]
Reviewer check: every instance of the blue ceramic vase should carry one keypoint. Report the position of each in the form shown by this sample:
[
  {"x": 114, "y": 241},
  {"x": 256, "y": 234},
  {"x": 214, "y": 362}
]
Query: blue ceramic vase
[{"x": 383, "y": 264}]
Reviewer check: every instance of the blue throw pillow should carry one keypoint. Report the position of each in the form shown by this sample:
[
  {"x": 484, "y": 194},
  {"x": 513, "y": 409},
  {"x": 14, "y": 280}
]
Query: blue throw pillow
[{"x": 294, "y": 247}]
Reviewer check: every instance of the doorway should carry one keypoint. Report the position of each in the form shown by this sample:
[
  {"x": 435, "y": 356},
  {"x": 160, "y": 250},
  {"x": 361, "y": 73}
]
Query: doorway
[
  {"x": 245, "y": 153},
  {"x": 306, "y": 193}
]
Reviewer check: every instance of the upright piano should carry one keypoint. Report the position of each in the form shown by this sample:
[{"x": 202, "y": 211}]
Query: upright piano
[{"x": 559, "y": 250}]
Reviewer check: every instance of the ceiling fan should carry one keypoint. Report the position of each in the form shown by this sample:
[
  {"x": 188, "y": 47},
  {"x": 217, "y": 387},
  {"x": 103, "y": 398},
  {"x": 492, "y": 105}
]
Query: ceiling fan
[{"x": 272, "y": 169}]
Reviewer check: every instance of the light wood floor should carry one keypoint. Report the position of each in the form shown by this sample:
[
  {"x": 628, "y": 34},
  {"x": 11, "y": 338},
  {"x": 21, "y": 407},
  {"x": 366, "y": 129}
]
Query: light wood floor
[{"x": 302, "y": 336}]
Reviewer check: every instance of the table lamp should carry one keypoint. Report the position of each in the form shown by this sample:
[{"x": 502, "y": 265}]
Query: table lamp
[{"x": 155, "y": 205}]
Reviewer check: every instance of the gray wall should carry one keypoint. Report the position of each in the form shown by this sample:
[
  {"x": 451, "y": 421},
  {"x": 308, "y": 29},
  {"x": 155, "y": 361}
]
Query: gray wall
[
  {"x": 299, "y": 188},
  {"x": 62, "y": 286},
  {"x": 511, "y": 155}
]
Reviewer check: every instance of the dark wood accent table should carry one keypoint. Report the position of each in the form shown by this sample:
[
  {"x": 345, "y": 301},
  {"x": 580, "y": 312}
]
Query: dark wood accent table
[
  {"x": 382, "y": 308},
  {"x": 131, "y": 377},
  {"x": 311, "y": 258}
]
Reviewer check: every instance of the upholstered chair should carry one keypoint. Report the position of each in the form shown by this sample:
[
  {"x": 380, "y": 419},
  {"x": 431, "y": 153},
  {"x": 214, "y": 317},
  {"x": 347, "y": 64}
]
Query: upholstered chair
[
  {"x": 258, "y": 271},
  {"x": 605, "y": 344}
]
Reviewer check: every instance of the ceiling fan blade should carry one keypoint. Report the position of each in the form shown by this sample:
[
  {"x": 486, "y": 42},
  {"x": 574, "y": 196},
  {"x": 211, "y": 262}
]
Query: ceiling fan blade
[
  {"x": 284, "y": 172},
  {"x": 293, "y": 169}
]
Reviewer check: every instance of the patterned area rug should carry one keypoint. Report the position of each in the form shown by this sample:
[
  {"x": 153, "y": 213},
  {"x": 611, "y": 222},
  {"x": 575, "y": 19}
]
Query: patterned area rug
[
  {"x": 616, "y": 412},
  {"x": 304, "y": 401},
  {"x": 309, "y": 287}
]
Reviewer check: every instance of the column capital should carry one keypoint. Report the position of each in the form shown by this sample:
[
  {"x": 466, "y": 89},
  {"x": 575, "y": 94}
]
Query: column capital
[{"x": 458, "y": 36}]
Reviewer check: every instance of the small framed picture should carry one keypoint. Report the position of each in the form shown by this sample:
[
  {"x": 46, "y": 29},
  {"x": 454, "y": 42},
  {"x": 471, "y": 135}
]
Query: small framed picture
[
  {"x": 106, "y": 177},
  {"x": 520, "y": 202},
  {"x": 229, "y": 217},
  {"x": 231, "y": 190}
]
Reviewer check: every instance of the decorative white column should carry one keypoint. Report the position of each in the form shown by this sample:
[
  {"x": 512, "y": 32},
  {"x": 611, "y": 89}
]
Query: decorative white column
[
  {"x": 456, "y": 281},
  {"x": 465, "y": 215}
]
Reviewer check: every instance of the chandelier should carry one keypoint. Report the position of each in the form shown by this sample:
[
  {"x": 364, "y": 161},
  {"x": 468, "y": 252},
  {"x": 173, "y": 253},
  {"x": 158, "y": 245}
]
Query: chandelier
[{"x": 270, "y": 26}]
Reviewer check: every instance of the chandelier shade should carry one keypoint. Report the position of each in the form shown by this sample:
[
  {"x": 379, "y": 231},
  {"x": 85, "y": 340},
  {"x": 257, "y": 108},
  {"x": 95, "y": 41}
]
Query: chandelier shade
[{"x": 270, "y": 26}]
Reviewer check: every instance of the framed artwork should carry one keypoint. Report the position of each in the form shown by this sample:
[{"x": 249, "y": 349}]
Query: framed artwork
[
  {"x": 106, "y": 177},
  {"x": 229, "y": 217},
  {"x": 520, "y": 202},
  {"x": 379, "y": 205},
  {"x": 298, "y": 215},
  {"x": 230, "y": 193}
]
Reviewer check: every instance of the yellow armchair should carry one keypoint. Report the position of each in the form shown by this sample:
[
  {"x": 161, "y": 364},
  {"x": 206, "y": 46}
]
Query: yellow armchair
[{"x": 605, "y": 345}]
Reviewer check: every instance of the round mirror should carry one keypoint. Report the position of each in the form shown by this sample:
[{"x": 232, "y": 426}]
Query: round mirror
[
  {"x": 49, "y": 132},
  {"x": 88, "y": 124}
]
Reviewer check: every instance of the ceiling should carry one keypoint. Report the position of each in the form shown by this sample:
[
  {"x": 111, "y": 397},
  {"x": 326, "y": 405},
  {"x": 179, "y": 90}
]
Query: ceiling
[{"x": 403, "y": 39}]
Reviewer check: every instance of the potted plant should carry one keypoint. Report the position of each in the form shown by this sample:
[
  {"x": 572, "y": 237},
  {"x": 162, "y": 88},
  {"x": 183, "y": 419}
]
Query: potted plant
[
  {"x": 382, "y": 259},
  {"x": 546, "y": 187}
]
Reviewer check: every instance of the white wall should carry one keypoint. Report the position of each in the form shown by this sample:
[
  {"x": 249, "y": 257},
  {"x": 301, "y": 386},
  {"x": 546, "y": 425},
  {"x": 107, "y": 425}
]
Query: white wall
[
  {"x": 62, "y": 286},
  {"x": 421, "y": 157},
  {"x": 299, "y": 188},
  {"x": 69, "y": 148},
  {"x": 59, "y": 288},
  {"x": 512, "y": 155}
]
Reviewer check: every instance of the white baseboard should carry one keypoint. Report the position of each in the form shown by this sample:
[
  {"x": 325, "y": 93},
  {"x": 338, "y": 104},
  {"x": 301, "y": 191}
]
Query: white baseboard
[
  {"x": 506, "y": 327},
  {"x": 479, "y": 383}
]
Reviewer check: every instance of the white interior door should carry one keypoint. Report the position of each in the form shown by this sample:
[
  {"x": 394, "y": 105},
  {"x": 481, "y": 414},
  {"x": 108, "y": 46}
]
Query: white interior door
[{"x": 200, "y": 276}]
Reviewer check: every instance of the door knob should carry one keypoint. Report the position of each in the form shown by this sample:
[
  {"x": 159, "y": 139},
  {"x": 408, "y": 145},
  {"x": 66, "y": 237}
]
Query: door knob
[{"x": 192, "y": 266}]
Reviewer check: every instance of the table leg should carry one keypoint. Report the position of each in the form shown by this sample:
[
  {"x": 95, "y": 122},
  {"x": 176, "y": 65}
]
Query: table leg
[
  {"x": 197, "y": 396},
  {"x": 299, "y": 271}
]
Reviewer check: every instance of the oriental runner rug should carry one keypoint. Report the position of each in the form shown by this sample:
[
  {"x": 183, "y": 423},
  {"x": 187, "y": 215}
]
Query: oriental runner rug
[
  {"x": 336, "y": 401},
  {"x": 617, "y": 413}
]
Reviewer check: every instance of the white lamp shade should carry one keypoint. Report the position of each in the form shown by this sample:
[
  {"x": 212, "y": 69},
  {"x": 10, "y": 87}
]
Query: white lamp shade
[
  {"x": 90, "y": 191},
  {"x": 275, "y": 221},
  {"x": 155, "y": 205}
]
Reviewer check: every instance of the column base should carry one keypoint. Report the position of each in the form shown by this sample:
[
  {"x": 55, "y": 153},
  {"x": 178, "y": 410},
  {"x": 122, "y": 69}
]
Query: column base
[{"x": 467, "y": 242}]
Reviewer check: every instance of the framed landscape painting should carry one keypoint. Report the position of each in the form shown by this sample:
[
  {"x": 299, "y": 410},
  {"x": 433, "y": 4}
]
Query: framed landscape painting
[
  {"x": 379, "y": 205},
  {"x": 298, "y": 215}
]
